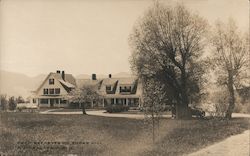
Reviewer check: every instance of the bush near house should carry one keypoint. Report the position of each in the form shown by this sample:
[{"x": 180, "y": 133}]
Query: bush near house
[
  {"x": 116, "y": 108},
  {"x": 12, "y": 103},
  {"x": 3, "y": 102}
]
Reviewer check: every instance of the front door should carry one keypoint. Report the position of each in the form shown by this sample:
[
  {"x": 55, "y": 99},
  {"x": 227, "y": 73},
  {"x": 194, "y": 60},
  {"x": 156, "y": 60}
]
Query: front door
[{"x": 52, "y": 102}]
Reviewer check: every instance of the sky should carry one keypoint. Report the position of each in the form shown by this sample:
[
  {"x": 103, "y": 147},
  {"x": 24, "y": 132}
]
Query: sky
[{"x": 85, "y": 36}]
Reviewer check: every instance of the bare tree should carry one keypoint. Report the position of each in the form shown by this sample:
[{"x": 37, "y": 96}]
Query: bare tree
[
  {"x": 84, "y": 95},
  {"x": 230, "y": 58},
  {"x": 167, "y": 45},
  {"x": 20, "y": 99}
]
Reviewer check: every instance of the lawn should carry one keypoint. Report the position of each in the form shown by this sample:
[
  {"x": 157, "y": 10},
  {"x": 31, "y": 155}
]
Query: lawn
[{"x": 39, "y": 134}]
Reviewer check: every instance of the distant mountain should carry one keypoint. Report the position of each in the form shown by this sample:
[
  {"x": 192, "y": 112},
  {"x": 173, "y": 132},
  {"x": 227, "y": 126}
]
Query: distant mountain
[
  {"x": 122, "y": 74},
  {"x": 17, "y": 84},
  {"x": 83, "y": 76}
]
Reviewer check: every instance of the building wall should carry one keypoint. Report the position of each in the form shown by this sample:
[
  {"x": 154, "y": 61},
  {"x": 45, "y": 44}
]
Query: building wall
[
  {"x": 56, "y": 84},
  {"x": 48, "y": 86}
]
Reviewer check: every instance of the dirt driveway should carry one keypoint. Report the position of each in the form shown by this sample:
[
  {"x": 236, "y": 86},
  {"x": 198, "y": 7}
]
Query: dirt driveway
[
  {"x": 102, "y": 113},
  {"x": 237, "y": 145}
]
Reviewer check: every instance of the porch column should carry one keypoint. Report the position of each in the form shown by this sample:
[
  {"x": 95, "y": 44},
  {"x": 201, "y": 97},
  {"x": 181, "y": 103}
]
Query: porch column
[
  {"x": 92, "y": 104},
  {"x": 103, "y": 103},
  {"x": 49, "y": 102},
  {"x": 114, "y": 101},
  {"x": 126, "y": 101},
  {"x": 38, "y": 102},
  {"x": 59, "y": 102}
]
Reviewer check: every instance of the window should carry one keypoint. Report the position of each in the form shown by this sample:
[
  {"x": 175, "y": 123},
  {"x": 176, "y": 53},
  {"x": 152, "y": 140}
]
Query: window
[
  {"x": 125, "y": 89},
  {"x": 44, "y": 101},
  {"x": 51, "y": 91},
  {"x": 45, "y": 91},
  {"x": 108, "y": 88},
  {"x": 57, "y": 91},
  {"x": 34, "y": 100},
  {"x": 63, "y": 101},
  {"x": 51, "y": 81}
]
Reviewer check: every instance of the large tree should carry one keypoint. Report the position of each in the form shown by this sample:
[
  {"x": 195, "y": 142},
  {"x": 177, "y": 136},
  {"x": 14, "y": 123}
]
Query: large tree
[
  {"x": 167, "y": 44},
  {"x": 230, "y": 58},
  {"x": 84, "y": 95}
]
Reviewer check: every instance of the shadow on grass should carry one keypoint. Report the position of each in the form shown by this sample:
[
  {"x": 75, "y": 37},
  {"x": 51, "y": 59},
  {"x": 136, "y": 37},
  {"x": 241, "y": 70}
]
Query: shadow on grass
[
  {"x": 111, "y": 133},
  {"x": 191, "y": 135}
]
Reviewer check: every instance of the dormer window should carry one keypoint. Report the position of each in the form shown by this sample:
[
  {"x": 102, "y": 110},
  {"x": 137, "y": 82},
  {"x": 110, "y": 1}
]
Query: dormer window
[
  {"x": 108, "y": 88},
  {"x": 51, "y": 81},
  {"x": 125, "y": 89}
]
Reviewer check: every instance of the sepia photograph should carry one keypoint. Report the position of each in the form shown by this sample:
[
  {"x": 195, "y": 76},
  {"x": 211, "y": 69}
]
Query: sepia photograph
[{"x": 125, "y": 77}]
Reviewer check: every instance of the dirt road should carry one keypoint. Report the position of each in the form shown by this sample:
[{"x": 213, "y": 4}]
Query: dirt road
[{"x": 237, "y": 145}]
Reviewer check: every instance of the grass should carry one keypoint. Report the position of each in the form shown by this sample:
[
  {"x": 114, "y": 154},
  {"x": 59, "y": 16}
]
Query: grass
[
  {"x": 184, "y": 137},
  {"x": 108, "y": 136}
]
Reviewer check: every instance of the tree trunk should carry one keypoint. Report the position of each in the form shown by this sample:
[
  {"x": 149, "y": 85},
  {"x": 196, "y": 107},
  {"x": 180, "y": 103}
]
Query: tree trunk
[
  {"x": 182, "y": 111},
  {"x": 231, "y": 97},
  {"x": 83, "y": 109}
]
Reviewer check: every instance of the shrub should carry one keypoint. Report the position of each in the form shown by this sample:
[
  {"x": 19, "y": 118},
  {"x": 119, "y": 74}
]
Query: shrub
[
  {"x": 247, "y": 108},
  {"x": 3, "y": 102},
  {"x": 12, "y": 103},
  {"x": 116, "y": 108},
  {"x": 238, "y": 108},
  {"x": 221, "y": 109}
]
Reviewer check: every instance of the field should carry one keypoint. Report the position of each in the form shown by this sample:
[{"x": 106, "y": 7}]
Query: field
[{"x": 38, "y": 134}]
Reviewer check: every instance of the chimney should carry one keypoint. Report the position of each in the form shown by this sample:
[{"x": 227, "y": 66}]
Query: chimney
[
  {"x": 93, "y": 76},
  {"x": 58, "y": 71},
  {"x": 110, "y": 76},
  {"x": 63, "y": 75}
]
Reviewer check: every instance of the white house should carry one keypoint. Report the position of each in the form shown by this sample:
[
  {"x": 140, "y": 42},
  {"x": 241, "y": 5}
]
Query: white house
[{"x": 54, "y": 90}]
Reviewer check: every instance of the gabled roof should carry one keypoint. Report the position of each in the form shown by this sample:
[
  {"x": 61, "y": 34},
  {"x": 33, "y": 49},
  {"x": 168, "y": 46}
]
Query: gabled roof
[
  {"x": 87, "y": 82},
  {"x": 68, "y": 83},
  {"x": 126, "y": 81},
  {"x": 68, "y": 78},
  {"x": 116, "y": 83},
  {"x": 109, "y": 81}
]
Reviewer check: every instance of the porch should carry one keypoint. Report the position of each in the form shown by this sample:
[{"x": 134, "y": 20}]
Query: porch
[{"x": 52, "y": 102}]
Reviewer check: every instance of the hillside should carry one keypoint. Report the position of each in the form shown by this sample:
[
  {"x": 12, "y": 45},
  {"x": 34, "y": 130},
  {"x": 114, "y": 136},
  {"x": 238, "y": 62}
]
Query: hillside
[{"x": 15, "y": 84}]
